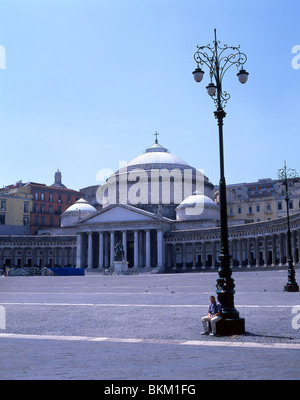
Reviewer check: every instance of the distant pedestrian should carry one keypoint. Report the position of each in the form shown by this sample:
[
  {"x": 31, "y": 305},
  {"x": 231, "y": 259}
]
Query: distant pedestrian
[{"x": 214, "y": 315}]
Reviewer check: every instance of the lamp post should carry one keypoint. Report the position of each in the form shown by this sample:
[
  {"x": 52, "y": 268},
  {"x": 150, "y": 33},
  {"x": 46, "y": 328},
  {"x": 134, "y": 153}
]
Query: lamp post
[
  {"x": 218, "y": 60},
  {"x": 284, "y": 175}
]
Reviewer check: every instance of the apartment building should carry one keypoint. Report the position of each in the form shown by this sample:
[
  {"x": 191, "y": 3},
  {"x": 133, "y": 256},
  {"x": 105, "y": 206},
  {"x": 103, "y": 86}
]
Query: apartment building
[{"x": 260, "y": 201}]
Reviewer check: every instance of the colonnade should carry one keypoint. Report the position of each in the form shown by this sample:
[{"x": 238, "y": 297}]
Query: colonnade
[
  {"x": 248, "y": 251},
  {"x": 48, "y": 256},
  {"x": 160, "y": 244},
  {"x": 143, "y": 248}
]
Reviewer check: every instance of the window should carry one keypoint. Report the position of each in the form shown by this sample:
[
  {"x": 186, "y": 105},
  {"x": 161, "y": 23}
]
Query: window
[
  {"x": 50, "y": 197},
  {"x": 26, "y": 221},
  {"x": 3, "y": 205},
  {"x": 36, "y": 220},
  {"x": 51, "y": 209},
  {"x": 26, "y": 207},
  {"x": 269, "y": 208},
  {"x": 250, "y": 210},
  {"x": 258, "y": 208},
  {"x": 59, "y": 198},
  {"x": 42, "y": 196},
  {"x": 240, "y": 210},
  {"x": 279, "y": 206},
  {"x": 2, "y": 219},
  {"x": 291, "y": 204},
  {"x": 36, "y": 196}
]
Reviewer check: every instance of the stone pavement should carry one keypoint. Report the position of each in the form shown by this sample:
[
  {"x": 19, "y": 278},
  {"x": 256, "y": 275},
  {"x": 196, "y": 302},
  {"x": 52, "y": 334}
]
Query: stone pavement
[{"x": 145, "y": 327}]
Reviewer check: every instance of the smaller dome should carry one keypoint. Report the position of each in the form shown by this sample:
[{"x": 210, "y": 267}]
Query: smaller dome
[
  {"x": 76, "y": 212},
  {"x": 197, "y": 207}
]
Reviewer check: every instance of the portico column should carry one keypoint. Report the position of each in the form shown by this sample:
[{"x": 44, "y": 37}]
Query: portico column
[
  {"x": 79, "y": 251},
  {"x": 240, "y": 251},
  {"x": 273, "y": 250},
  {"x": 194, "y": 255},
  {"x": 183, "y": 256},
  {"x": 63, "y": 256},
  {"x": 257, "y": 251},
  {"x": 234, "y": 251},
  {"x": 45, "y": 256},
  {"x": 148, "y": 249},
  {"x": 159, "y": 249},
  {"x": 90, "y": 250},
  {"x": 101, "y": 249},
  {"x": 280, "y": 248},
  {"x": 106, "y": 250},
  {"x": 174, "y": 256},
  {"x": 136, "y": 249},
  {"x": 203, "y": 255},
  {"x": 249, "y": 252},
  {"x": 141, "y": 250},
  {"x": 266, "y": 254},
  {"x": 124, "y": 242},
  {"x": 23, "y": 257},
  {"x": 112, "y": 248}
]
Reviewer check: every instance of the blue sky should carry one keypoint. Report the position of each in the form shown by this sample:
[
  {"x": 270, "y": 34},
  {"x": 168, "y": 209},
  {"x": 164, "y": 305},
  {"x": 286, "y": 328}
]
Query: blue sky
[{"x": 88, "y": 82}]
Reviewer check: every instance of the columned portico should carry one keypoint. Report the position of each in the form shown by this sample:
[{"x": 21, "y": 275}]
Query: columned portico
[
  {"x": 145, "y": 253},
  {"x": 141, "y": 233}
]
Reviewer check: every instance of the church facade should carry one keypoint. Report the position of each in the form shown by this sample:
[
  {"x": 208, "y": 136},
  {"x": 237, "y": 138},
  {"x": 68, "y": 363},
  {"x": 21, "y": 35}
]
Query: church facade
[{"x": 162, "y": 211}]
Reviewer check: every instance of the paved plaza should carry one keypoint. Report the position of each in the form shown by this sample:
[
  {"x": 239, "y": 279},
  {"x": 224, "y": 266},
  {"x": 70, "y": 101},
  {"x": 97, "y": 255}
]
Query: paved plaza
[{"x": 145, "y": 327}]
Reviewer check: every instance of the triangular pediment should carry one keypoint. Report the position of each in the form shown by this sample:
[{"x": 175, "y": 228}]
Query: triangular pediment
[{"x": 120, "y": 213}]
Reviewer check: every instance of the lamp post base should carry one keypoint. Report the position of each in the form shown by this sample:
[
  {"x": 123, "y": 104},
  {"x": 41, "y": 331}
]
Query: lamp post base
[
  {"x": 229, "y": 327},
  {"x": 291, "y": 287}
]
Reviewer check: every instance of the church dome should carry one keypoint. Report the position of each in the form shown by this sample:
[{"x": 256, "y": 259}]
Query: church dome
[
  {"x": 197, "y": 207},
  {"x": 157, "y": 157},
  {"x": 156, "y": 181},
  {"x": 79, "y": 210}
]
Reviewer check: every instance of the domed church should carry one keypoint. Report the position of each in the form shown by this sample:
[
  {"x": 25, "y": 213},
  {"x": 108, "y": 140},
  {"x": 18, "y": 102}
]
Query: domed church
[
  {"x": 156, "y": 181},
  {"x": 154, "y": 196}
]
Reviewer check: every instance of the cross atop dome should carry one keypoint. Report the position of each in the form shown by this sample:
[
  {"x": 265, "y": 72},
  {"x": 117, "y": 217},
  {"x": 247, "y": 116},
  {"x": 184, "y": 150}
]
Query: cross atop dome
[{"x": 156, "y": 134}]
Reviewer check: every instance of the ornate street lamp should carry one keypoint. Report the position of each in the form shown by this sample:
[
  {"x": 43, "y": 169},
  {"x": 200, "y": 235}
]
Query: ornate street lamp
[
  {"x": 218, "y": 60},
  {"x": 284, "y": 175}
]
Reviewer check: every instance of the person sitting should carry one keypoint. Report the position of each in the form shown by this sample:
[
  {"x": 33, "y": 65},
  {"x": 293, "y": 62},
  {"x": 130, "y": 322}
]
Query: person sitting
[{"x": 214, "y": 315}]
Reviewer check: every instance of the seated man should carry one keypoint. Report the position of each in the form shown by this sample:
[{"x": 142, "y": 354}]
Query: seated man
[{"x": 214, "y": 315}]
